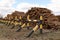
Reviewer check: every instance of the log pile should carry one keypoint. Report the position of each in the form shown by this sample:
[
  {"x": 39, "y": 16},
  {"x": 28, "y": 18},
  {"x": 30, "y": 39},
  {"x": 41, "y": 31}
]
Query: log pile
[
  {"x": 18, "y": 14},
  {"x": 48, "y": 17},
  {"x": 58, "y": 16},
  {"x": 14, "y": 14},
  {"x": 36, "y": 12}
]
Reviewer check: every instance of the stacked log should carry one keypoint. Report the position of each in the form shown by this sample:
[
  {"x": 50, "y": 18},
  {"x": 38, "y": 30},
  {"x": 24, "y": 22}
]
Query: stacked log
[
  {"x": 35, "y": 13},
  {"x": 58, "y": 16},
  {"x": 18, "y": 14},
  {"x": 38, "y": 11},
  {"x": 48, "y": 18},
  {"x": 14, "y": 14}
]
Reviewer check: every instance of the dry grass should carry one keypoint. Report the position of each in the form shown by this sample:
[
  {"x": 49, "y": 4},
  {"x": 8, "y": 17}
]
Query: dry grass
[{"x": 9, "y": 34}]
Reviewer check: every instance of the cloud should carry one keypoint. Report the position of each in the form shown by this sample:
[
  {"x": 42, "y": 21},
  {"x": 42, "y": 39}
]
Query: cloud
[
  {"x": 25, "y": 6},
  {"x": 6, "y": 7},
  {"x": 6, "y": 3},
  {"x": 54, "y": 6},
  {"x": 6, "y": 11}
]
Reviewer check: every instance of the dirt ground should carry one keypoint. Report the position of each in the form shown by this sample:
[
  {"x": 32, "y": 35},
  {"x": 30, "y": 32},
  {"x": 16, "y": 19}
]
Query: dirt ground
[{"x": 6, "y": 33}]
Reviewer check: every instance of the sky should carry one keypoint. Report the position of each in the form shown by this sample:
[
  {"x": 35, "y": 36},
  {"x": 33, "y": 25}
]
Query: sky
[{"x": 9, "y": 6}]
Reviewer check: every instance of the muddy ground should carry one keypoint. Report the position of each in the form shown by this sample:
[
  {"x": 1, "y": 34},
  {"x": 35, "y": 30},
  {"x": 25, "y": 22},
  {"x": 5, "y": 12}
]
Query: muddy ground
[{"x": 6, "y": 33}]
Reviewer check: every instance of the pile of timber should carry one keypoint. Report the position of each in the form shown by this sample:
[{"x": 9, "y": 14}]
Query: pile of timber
[
  {"x": 48, "y": 17},
  {"x": 15, "y": 14},
  {"x": 18, "y": 14},
  {"x": 49, "y": 20},
  {"x": 58, "y": 16}
]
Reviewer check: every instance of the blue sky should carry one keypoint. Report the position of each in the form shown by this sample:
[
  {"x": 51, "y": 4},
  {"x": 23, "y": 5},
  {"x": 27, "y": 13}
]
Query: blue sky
[{"x": 39, "y": 2}]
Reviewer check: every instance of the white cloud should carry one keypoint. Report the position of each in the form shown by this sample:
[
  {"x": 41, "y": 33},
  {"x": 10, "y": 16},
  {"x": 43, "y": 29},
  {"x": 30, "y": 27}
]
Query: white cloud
[
  {"x": 55, "y": 6},
  {"x": 7, "y": 2},
  {"x": 6, "y": 7},
  {"x": 58, "y": 1},
  {"x": 25, "y": 6}
]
